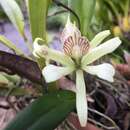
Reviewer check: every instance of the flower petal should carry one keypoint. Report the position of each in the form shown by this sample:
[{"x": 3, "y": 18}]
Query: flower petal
[
  {"x": 60, "y": 57},
  {"x": 104, "y": 71},
  {"x": 37, "y": 47},
  {"x": 81, "y": 100},
  {"x": 69, "y": 30},
  {"x": 99, "y": 38},
  {"x": 103, "y": 49},
  {"x": 46, "y": 52},
  {"x": 53, "y": 73}
]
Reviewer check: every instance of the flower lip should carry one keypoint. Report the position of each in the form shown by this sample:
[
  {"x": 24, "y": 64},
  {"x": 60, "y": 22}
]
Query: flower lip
[
  {"x": 73, "y": 41},
  {"x": 74, "y": 45}
]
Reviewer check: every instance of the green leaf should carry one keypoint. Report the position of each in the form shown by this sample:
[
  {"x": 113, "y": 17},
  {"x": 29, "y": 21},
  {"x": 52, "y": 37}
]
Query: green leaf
[
  {"x": 20, "y": 92},
  {"x": 37, "y": 15},
  {"x": 85, "y": 10},
  {"x": 45, "y": 113},
  {"x": 10, "y": 45},
  {"x": 3, "y": 80},
  {"x": 4, "y": 90},
  {"x": 12, "y": 78},
  {"x": 14, "y": 13}
]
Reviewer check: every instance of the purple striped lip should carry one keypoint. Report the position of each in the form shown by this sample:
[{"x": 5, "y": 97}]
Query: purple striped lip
[{"x": 76, "y": 41}]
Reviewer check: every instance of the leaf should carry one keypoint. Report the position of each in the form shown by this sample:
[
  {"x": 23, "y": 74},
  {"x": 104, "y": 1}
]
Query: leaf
[
  {"x": 20, "y": 92},
  {"x": 3, "y": 80},
  {"x": 4, "y": 90},
  {"x": 45, "y": 113},
  {"x": 37, "y": 16},
  {"x": 12, "y": 78},
  {"x": 85, "y": 10},
  {"x": 10, "y": 45},
  {"x": 14, "y": 13}
]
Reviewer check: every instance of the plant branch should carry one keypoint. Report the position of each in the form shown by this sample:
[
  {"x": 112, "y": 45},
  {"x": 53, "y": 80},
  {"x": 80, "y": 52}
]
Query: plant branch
[
  {"x": 69, "y": 9},
  {"x": 100, "y": 124},
  {"x": 57, "y": 13},
  {"x": 106, "y": 117}
]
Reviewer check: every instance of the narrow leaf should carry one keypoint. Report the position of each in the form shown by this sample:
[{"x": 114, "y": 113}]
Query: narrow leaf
[
  {"x": 37, "y": 15},
  {"x": 14, "y": 13},
  {"x": 12, "y": 78},
  {"x": 52, "y": 119},
  {"x": 10, "y": 45},
  {"x": 85, "y": 10},
  {"x": 3, "y": 80}
]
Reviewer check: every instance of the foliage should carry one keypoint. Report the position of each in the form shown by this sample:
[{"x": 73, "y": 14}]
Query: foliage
[
  {"x": 114, "y": 15},
  {"x": 85, "y": 11},
  {"x": 43, "y": 113}
]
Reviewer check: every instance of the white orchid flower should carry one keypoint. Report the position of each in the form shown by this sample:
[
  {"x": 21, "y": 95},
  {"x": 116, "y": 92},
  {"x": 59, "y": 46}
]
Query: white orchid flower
[{"x": 78, "y": 53}]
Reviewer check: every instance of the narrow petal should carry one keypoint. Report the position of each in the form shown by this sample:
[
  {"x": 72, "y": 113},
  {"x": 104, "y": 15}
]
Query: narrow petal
[
  {"x": 104, "y": 71},
  {"x": 53, "y": 73},
  {"x": 60, "y": 57},
  {"x": 99, "y": 38},
  {"x": 81, "y": 100},
  {"x": 44, "y": 51},
  {"x": 37, "y": 47},
  {"x": 103, "y": 49}
]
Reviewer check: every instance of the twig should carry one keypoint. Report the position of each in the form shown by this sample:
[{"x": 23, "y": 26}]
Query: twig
[
  {"x": 100, "y": 124},
  {"x": 104, "y": 116},
  {"x": 70, "y": 10},
  {"x": 113, "y": 88},
  {"x": 57, "y": 13},
  {"x": 4, "y": 106}
]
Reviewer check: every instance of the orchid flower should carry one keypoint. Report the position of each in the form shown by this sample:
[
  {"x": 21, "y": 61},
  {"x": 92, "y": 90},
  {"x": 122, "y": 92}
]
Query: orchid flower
[{"x": 77, "y": 55}]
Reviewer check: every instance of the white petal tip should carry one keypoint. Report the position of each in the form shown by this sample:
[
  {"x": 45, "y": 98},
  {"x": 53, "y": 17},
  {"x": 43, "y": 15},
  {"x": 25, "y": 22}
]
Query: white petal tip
[
  {"x": 83, "y": 120},
  {"x": 111, "y": 79},
  {"x": 104, "y": 71},
  {"x": 83, "y": 123},
  {"x": 117, "y": 40},
  {"x": 107, "y": 32},
  {"x": 52, "y": 73}
]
